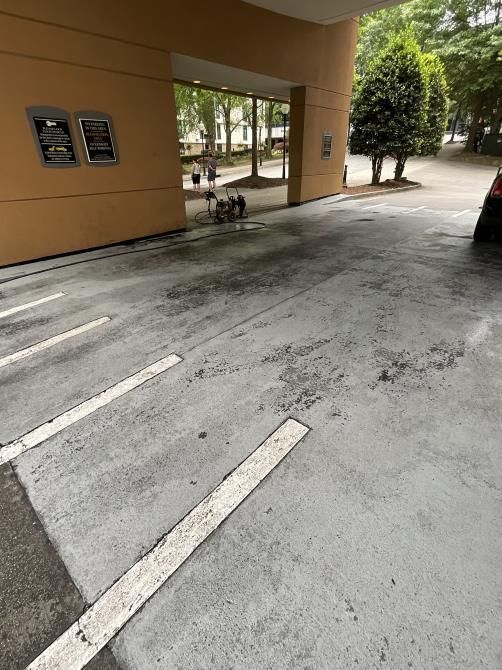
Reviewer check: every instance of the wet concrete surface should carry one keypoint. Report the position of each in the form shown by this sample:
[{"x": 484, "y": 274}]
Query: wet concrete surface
[{"x": 377, "y": 542}]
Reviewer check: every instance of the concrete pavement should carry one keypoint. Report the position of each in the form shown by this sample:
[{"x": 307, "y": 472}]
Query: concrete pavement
[
  {"x": 447, "y": 185},
  {"x": 376, "y": 542}
]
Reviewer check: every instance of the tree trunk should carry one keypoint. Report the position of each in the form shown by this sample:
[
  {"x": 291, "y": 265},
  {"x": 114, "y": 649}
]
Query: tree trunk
[
  {"x": 474, "y": 125},
  {"x": 497, "y": 121},
  {"x": 376, "y": 168},
  {"x": 254, "y": 139},
  {"x": 401, "y": 159},
  {"x": 455, "y": 123},
  {"x": 270, "y": 117},
  {"x": 228, "y": 136}
]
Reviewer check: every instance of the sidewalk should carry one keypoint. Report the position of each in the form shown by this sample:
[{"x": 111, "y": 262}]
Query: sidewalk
[
  {"x": 244, "y": 168},
  {"x": 447, "y": 184}
]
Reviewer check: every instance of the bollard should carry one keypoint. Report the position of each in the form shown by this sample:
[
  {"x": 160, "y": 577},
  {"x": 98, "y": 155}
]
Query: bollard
[{"x": 345, "y": 177}]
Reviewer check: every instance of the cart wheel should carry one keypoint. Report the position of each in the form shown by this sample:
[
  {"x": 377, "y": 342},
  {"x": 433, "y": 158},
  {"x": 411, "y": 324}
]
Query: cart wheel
[
  {"x": 231, "y": 216},
  {"x": 220, "y": 213}
]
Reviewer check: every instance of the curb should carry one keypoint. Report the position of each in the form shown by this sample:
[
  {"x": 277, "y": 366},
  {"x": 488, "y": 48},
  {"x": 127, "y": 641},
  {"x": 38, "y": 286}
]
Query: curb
[
  {"x": 489, "y": 161},
  {"x": 124, "y": 249},
  {"x": 367, "y": 194}
]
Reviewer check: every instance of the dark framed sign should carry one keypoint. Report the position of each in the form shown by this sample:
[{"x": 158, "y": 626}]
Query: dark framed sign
[
  {"x": 326, "y": 146},
  {"x": 51, "y": 129},
  {"x": 97, "y": 135}
]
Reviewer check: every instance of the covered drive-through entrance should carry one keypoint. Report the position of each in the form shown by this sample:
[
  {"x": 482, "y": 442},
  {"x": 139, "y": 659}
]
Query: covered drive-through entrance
[{"x": 90, "y": 92}]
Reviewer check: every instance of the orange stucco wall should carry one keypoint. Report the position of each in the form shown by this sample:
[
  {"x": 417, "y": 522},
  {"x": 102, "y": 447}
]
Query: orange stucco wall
[
  {"x": 114, "y": 56},
  {"x": 313, "y": 112}
]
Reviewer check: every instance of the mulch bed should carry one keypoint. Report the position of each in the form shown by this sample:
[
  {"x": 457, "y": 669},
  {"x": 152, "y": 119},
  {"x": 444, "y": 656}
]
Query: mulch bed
[
  {"x": 268, "y": 182},
  {"x": 257, "y": 182},
  {"x": 387, "y": 185},
  {"x": 193, "y": 195}
]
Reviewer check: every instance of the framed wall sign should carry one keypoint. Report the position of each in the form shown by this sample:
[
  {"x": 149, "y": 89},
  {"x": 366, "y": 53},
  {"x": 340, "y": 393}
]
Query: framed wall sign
[
  {"x": 97, "y": 135},
  {"x": 51, "y": 129},
  {"x": 327, "y": 145}
]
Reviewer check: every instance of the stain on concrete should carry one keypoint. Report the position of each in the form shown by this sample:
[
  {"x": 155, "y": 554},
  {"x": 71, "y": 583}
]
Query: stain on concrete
[
  {"x": 213, "y": 368},
  {"x": 12, "y": 328},
  {"x": 305, "y": 379},
  {"x": 38, "y": 600},
  {"x": 403, "y": 365}
]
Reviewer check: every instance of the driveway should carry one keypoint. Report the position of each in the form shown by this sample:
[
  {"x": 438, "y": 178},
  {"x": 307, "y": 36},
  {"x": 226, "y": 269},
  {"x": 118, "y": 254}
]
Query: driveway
[{"x": 372, "y": 540}]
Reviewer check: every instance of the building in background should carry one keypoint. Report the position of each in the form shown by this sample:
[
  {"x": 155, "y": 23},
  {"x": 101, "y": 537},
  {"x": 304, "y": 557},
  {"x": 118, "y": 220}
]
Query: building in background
[{"x": 192, "y": 142}]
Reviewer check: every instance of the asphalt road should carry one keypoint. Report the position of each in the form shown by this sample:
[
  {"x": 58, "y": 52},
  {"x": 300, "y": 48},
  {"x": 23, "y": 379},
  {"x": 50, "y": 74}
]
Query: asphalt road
[
  {"x": 447, "y": 184},
  {"x": 375, "y": 543}
]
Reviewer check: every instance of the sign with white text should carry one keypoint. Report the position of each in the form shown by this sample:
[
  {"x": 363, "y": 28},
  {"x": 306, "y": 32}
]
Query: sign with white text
[{"x": 98, "y": 140}]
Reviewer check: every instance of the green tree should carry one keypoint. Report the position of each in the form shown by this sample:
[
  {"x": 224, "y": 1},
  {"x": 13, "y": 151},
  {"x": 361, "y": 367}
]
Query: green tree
[
  {"x": 233, "y": 109},
  {"x": 195, "y": 107},
  {"x": 437, "y": 108},
  {"x": 471, "y": 54},
  {"x": 204, "y": 102},
  {"x": 389, "y": 109},
  {"x": 467, "y": 37},
  {"x": 187, "y": 117}
]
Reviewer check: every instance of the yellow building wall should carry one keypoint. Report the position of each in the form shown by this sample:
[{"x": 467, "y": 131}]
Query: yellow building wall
[
  {"x": 313, "y": 112},
  {"x": 113, "y": 56}
]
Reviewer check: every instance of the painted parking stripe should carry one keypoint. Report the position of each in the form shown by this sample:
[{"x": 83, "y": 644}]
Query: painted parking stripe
[
  {"x": 342, "y": 200},
  {"x": 46, "y": 344},
  {"x": 381, "y": 204},
  {"x": 415, "y": 209},
  {"x": 465, "y": 211},
  {"x": 102, "y": 621},
  {"x": 38, "y": 435},
  {"x": 20, "y": 308}
]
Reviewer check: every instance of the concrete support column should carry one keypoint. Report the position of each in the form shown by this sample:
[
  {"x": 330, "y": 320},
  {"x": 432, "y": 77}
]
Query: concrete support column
[{"x": 315, "y": 111}]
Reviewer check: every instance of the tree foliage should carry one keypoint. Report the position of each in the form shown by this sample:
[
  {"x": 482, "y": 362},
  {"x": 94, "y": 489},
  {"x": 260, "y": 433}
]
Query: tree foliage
[
  {"x": 465, "y": 34},
  {"x": 389, "y": 110},
  {"x": 195, "y": 107},
  {"x": 436, "y": 116},
  {"x": 198, "y": 107},
  {"x": 234, "y": 109}
]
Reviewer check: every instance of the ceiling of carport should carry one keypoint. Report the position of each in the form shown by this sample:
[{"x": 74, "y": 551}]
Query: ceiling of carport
[{"x": 323, "y": 11}]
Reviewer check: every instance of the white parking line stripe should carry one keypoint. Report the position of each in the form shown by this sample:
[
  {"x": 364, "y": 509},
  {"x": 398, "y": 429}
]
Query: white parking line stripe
[
  {"x": 373, "y": 197},
  {"x": 45, "y": 344},
  {"x": 465, "y": 211},
  {"x": 20, "y": 308},
  {"x": 38, "y": 435},
  {"x": 102, "y": 621},
  {"x": 415, "y": 209},
  {"x": 381, "y": 204}
]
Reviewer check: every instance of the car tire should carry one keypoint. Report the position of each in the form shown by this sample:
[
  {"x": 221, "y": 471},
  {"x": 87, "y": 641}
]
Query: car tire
[{"x": 482, "y": 233}]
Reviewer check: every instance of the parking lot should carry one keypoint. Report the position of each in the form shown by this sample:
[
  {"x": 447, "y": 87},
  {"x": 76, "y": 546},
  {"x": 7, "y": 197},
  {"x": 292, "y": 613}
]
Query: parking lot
[{"x": 373, "y": 541}]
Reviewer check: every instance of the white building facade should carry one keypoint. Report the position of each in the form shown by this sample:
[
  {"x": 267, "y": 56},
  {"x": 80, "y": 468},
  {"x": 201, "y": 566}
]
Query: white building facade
[{"x": 193, "y": 142}]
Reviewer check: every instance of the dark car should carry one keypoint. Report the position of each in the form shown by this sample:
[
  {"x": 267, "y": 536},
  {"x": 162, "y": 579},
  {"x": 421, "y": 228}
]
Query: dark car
[{"x": 490, "y": 219}]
